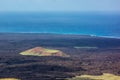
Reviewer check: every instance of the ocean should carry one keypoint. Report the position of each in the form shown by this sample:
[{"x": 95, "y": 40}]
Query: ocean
[{"x": 98, "y": 24}]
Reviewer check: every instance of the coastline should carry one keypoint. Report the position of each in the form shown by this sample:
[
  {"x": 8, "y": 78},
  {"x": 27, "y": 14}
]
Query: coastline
[
  {"x": 55, "y": 33},
  {"x": 110, "y": 37}
]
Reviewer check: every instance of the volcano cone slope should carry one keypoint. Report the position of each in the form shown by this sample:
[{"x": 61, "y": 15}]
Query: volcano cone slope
[{"x": 39, "y": 51}]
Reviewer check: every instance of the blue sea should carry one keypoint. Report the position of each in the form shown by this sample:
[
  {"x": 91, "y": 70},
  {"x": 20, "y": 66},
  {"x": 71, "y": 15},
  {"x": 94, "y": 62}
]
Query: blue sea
[{"x": 99, "y": 24}]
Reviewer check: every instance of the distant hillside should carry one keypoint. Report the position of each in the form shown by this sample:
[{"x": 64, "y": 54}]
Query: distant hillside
[
  {"x": 39, "y": 51},
  {"x": 105, "y": 76},
  {"x": 8, "y": 79}
]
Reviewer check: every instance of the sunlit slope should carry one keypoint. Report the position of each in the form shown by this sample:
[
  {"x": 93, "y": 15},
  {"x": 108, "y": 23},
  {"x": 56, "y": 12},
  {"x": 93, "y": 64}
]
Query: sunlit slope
[
  {"x": 105, "y": 76},
  {"x": 8, "y": 79},
  {"x": 39, "y": 51}
]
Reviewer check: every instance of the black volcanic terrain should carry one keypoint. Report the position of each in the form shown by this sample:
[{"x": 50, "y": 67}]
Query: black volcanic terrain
[{"x": 88, "y": 55}]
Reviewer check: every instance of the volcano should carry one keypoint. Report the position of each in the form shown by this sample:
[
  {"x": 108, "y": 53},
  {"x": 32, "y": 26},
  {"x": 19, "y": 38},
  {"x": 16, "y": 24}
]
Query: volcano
[{"x": 39, "y": 51}]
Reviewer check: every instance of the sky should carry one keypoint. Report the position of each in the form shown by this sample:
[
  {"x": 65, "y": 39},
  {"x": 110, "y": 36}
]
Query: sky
[{"x": 60, "y": 5}]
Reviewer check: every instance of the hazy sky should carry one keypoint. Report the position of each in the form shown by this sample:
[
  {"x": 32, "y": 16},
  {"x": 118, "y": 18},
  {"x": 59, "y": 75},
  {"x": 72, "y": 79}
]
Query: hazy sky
[{"x": 60, "y": 5}]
